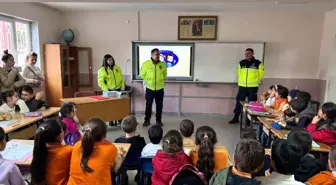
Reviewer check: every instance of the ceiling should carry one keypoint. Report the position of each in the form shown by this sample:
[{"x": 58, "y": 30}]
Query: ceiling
[{"x": 194, "y": 5}]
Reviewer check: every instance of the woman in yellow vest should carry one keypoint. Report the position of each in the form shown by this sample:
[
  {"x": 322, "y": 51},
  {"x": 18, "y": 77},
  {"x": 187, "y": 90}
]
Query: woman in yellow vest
[{"x": 110, "y": 76}]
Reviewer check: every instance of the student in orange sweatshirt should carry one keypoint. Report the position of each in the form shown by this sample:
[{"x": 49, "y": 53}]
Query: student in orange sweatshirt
[
  {"x": 51, "y": 159},
  {"x": 281, "y": 101},
  {"x": 93, "y": 157},
  {"x": 207, "y": 158},
  {"x": 326, "y": 177}
]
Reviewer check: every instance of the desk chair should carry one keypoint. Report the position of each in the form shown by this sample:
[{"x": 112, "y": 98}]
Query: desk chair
[
  {"x": 84, "y": 94},
  {"x": 315, "y": 105},
  {"x": 146, "y": 172}
]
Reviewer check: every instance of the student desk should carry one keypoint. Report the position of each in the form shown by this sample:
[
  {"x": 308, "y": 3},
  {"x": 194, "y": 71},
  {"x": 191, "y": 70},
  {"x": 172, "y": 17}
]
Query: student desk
[
  {"x": 281, "y": 134},
  {"x": 108, "y": 109},
  {"x": 27, "y": 162},
  {"x": 245, "y": 115},
  {"x": 27, "y": 124}
]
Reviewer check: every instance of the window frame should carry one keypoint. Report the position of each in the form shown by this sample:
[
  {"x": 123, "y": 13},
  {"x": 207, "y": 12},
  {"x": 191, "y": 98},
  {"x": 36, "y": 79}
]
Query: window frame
[{"x": 12, "y": 22}]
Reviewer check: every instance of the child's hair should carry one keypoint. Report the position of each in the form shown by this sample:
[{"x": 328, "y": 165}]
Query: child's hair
[
  {"x": 2, "y": 134},
  {"x": 249, "y": 155},
  {"x": 66, "y": 109},
  {"x": 302, "y": 138},
  {"x": 298, "y": 105},
  {"x": 48, "y": 132},
  {"x": 172, "y": 142},
  {"x": 305, "y": 96},
  {"x": 31, "y": 54},
  {"x": 329, "y": 109},
  {"x": 187, "y": 128},
  {"x": 286, "y": 156},
  {"x": 332, "y": 155},
  {"x": 293, "y": 93},
  {"x": 95, "y": 131},
  {"x": 155, "y": 134},
  {"x": 28, "y": 89},
  {"x": 6, "y": 56},
  {"x": 205, "y": 139},
  {"x": 129, "y": 124},
  {"x": 282, "y": 91},
  {"x": 272, "y": 87}
]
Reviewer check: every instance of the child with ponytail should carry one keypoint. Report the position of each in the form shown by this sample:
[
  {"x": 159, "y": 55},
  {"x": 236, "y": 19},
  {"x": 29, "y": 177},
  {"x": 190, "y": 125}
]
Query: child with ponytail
[
  {"x": 170, "y": 159},
  {"x": 51, "y": 159},
  {"x": 93, "y": 156},
  {"x": 208, "y": 158}
]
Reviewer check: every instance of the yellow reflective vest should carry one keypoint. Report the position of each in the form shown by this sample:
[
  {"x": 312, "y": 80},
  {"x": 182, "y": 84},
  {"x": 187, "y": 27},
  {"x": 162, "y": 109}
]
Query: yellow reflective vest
[
  {"x": 111, "y": 80},
  {"x": 154, "y": 74},
  {"x": 250, "y": 73}
]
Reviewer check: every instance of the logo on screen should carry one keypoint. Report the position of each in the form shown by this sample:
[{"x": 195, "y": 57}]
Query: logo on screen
[{"x": 169, "y": 58}]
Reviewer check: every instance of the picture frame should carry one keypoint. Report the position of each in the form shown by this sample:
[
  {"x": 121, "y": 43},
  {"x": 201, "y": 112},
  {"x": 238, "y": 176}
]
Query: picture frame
[{"x": 197, "y": 27}]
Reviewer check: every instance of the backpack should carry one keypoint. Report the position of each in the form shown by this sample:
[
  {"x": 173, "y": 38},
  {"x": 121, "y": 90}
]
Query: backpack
[
  {"x": 71, "y": 138},
  {"x": 188, "y": 175}
]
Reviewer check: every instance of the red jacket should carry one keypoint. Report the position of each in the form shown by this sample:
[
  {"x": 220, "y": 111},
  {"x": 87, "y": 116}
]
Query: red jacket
[
  {"x": 324, "y": 135},
  {"x": 166, "y": 166}
]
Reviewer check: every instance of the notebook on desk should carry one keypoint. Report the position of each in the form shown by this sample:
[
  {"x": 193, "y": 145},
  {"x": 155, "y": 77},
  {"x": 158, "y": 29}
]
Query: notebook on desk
[
  {"x": 98, "y": 97},
  {"x": 17, "y": 151},
  {"x": 7, "y": 123}
]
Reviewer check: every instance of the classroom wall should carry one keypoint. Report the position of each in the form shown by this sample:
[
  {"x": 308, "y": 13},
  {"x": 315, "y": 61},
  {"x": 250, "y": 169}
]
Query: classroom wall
[
  {"x": 47, "y": 19},
  {"x": 292, "y": 51}
]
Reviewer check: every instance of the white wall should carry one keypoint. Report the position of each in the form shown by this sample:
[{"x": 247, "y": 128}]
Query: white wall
[
  {"x": 48, "y": 19},
  {"x": 293, "y": 39}
]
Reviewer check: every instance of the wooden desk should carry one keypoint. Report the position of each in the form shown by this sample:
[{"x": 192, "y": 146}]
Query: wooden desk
[
  {"x": 281, "y": 134},
  {"x": 27, "y": 162},
  {"x": 30, "y": 122},
  {"x": 108, "y": 110}
]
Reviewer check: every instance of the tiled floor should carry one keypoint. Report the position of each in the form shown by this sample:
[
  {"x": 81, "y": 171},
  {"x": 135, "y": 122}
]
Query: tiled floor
[{"x": 228, "y": 135}]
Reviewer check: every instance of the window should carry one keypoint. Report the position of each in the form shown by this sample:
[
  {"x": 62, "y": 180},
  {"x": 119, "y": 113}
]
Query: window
[{"x": 15, "y": 35}]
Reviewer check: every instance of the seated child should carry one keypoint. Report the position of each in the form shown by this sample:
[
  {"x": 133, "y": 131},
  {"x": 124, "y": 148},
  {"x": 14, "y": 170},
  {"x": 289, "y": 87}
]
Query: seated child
[
  {"x": 268, "y": 97},
  {"x": 72, "y": 134},
  {"x": 9, "y": 173},
  {"x": 187, "y": 129},
  {"x": 323, "y": 126},
  {"x": 292, "y": 94},
  {"x": 285, "y": 161},
  {"x": 170, "y": 159},
  {"x": 155, "y": 135},
  {"x": 51, "y": 158},
  {"x": 207, "y": 158},
  {"x": 93, "y": 157},
  {"x": 302, "y": 115},
  {"x": 326, "y": 177},
  {"x": 281, "y": 102},
  {"x": 248, "y": 159},
  {"x": 27, "y": 95},
  {"x": 129, "y": 125},
  {"x": 309, "y": 165},
  {"x": 12, "y": 104}
]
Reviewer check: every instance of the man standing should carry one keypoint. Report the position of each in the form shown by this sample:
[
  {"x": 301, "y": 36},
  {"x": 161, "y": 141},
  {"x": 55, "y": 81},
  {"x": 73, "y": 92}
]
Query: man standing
[
  {"x": 154, "y": 73},
  {"x": 250, "y": 73}
]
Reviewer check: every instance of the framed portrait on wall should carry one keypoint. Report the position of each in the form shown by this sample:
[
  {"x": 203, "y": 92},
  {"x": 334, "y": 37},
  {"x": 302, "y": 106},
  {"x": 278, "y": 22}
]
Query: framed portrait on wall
[{"x": 197, "y": 27}]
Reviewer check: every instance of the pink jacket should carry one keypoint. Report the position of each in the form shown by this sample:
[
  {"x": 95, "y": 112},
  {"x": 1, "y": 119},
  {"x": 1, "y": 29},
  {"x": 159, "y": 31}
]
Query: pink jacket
[{"x": 71, "y": 127}]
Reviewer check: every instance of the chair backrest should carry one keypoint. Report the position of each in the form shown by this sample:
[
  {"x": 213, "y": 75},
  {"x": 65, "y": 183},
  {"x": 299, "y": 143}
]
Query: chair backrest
[
  {"x": 315, "y": 105},
  {"x": 85, "y": 93},
  {"x": 146, "y": 164}
]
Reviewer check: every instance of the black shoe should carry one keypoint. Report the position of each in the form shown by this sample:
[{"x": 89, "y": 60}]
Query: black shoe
[
  {"x": 159, "y": 123},
  {"x": 146, "y": 123},
  {"x": 234, "y": 120}
]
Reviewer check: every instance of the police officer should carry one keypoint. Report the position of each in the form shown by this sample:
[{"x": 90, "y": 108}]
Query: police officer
[
  {"x": 110, "y": 76},
  {"x": 154, "y": 72},
  {"x": 250, "y": 73}
]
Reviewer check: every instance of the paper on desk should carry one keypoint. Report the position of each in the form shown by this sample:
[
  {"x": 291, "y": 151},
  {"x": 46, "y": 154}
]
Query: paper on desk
[
  {"x": 17, "y": 151},
  {"x": 7, "y": 123}
]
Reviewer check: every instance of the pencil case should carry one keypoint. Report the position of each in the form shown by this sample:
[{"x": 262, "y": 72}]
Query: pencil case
[
  {"x": 32, "y": 114},
  {"x": 276, "y": 126}
]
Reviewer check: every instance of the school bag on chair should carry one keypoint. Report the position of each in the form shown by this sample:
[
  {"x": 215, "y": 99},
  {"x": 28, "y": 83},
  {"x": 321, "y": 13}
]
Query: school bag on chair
[
  {"x": 71, "y": 138},
  {"x": 188, "y": 175}
]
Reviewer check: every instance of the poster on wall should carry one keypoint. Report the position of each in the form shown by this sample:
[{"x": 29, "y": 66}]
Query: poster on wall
[{"x": 197, "y": 27}]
